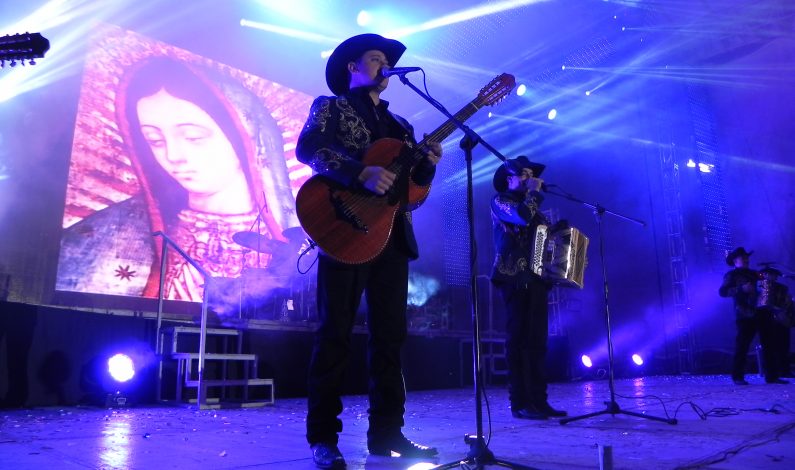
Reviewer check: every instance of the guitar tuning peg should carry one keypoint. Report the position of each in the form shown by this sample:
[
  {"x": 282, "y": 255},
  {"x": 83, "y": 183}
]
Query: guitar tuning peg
[
  {"x": 13, "y": 63},
  {"x": 32, "y": 62}
]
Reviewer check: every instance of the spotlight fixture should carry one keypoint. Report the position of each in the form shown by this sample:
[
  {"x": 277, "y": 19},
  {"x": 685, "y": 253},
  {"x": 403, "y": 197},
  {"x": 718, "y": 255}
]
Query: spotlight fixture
[
  {"x": 702, "y": 167},
  {"x": 637, "y": 359},
  {"x": 118, "y": 378},
  {"x": 121, "y": 367},
  {"x": 586, "y": 361},
  {"x": 705, "y": 167}
]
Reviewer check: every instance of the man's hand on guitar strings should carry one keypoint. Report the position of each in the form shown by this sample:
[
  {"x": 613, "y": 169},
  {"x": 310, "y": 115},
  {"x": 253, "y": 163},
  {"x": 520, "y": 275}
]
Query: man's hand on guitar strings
[
  {"x": 377, "y": 179},
  {"x": 434, "y": 151}
]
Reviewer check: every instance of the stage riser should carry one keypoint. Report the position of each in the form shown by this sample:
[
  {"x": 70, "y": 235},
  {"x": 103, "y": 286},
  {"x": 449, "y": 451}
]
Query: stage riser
[{"x": 62, "y": 342}]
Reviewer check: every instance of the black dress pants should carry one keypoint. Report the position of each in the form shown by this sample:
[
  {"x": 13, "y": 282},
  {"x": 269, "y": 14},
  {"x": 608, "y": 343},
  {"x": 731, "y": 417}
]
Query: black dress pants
[
  {"x": 526, "y": 343},
  {"x": 384, "y": 282},
  {"x": 761, "y": 322}
]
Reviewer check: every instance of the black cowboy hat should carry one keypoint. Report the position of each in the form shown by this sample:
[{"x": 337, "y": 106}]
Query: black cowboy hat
[
  {"x": 735, "y": 253},
  {"x": 771, "y": 270},
  {"x": 351, "y": 49},
  {"x": 500, "y": 180}
]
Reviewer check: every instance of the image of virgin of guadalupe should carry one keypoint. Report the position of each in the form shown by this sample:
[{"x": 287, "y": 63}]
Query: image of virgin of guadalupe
[{"x": 209, "y": 158}]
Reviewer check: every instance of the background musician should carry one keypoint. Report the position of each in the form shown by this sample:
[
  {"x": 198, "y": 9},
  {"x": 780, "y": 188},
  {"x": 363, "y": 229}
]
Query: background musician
[
  {"x": 334, "y": 142},
  {"x": 741, "y": 284},
  {"x": 516, "y": 214},
  {"x": 774, "y": 300}
]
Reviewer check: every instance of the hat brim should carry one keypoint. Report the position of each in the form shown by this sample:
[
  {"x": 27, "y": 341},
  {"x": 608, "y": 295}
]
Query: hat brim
[
  {"x": 500, "y": 179},
  {"x": 735, "y": 253},
  {"x": 351, "y": 49}
]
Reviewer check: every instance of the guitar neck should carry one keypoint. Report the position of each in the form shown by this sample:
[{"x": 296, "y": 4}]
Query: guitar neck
[
  {"x": 496, "y": 90},
  {"x": 443, "y": 131}
]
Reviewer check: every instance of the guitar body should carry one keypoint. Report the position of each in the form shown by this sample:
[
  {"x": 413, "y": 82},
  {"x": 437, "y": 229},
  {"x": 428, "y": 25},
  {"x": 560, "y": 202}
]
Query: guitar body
[{"x": 353, "y": 226}]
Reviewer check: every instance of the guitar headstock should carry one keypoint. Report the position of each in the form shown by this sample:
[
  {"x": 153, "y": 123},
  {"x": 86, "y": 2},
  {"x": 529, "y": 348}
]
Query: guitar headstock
[
  {"x": 496, "y": 90},
  {"x": 22, "y": 47}
]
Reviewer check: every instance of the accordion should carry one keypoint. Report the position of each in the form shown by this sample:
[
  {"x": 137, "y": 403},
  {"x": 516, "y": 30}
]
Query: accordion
[{"x": 560, "y": 257}]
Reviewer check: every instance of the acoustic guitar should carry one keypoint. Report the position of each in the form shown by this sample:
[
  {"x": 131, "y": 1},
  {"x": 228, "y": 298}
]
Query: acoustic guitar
[{"x": 353, "y": 225}]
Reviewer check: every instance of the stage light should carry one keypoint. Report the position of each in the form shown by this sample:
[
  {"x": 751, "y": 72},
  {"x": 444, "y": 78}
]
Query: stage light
[
  {"x": 587, "y": 92},
  {"x": 121, "y": 367},
  {"x": 586, "y": 360},
  {"x": 705, "y": 167},
  {"x": 119, "y": 377},
  {"x": 363, "y": 18},
  {"x": 637, "y": 359},
  {"x": 552, "y": 114},
  {"x": 521, "y": 90},
  {"x": 702, "y": 167}
]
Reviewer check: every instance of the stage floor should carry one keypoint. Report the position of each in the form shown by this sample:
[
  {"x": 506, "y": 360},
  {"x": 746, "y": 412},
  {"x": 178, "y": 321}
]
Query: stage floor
[{"x": 745, "y": 427}]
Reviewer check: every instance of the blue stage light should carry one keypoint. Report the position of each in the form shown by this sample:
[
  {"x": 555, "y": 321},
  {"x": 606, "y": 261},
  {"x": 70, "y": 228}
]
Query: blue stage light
[
  {"x": 705, "y": 167},
  {"x": 121, "y": 367},
  {"x": 586, "y": 360},
  {"x": 637, "y": 359}
]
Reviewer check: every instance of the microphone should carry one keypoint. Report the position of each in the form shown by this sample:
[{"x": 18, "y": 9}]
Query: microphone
[{"x": 386, "y": 73}]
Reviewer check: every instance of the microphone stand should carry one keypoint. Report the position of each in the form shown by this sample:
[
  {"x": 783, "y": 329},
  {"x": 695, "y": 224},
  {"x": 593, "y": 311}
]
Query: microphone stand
[
  {"x": 479, "y": 453},
  {"x": 258, "y": 223},
  {"x": 612, "y": 406}
]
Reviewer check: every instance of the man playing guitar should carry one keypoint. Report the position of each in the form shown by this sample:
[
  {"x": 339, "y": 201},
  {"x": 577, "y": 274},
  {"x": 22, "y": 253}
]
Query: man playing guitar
[{"x": 334, "y": 141}]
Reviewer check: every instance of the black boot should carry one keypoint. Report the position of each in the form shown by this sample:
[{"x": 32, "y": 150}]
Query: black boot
[
  {"x": 400, "y": 445},
  {"x": 328, "y": 455}
]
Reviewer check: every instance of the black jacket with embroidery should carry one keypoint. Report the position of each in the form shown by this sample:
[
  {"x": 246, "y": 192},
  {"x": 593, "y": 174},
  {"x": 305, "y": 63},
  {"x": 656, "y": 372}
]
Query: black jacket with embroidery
[
  {"x": 336, "y": 136},
  {"x": 514, "y": 220}
]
